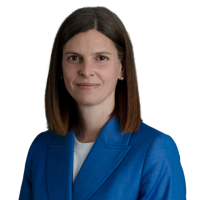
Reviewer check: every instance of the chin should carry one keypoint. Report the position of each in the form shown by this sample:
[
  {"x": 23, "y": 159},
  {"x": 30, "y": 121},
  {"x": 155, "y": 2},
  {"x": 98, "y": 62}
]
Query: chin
[{"x": 86, "y": 102}]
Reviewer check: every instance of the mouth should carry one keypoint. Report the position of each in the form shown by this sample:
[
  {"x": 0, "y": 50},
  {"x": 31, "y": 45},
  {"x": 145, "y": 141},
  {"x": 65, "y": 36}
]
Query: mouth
[{"x": 87, "y": 86}]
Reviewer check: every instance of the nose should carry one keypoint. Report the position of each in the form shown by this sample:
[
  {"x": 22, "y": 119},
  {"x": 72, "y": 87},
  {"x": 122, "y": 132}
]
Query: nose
[{"x": 86, "y": 69}]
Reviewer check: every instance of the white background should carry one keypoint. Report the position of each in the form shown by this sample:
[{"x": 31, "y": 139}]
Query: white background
[{"x": 166, "y": 42}]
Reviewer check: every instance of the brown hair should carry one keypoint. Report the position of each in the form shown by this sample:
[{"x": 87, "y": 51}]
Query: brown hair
[{"x": 60, "y": 107}]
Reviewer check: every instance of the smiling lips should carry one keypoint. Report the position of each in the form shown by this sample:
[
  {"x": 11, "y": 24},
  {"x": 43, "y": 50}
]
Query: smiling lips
[{"x": 88, "y": 85}]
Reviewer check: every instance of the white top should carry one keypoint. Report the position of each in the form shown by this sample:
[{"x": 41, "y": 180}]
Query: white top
[{"x": 81, "y": 151}]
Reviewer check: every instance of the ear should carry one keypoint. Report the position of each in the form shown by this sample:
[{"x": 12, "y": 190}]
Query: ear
[{"x": 122, "y": 72}]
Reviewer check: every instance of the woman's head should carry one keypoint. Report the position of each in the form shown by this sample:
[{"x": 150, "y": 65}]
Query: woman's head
[
  {"x": 85, "y": 31},
  {"x": 91, "y": 57}
]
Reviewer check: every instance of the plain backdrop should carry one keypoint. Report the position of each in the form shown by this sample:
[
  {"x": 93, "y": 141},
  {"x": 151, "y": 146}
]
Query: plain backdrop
[{"x": 166, "y": 42}]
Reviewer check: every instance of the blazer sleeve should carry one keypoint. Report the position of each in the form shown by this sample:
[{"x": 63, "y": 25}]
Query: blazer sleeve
[
  {"x": 162, "y": 175},
  {"x": 26, "y": 187}
]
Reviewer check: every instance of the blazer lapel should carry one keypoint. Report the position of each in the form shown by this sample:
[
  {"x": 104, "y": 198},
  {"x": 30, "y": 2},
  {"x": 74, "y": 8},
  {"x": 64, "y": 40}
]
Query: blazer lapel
[
  {"x": 60, "y": 168},
  {"x": 105, "y": 155}
]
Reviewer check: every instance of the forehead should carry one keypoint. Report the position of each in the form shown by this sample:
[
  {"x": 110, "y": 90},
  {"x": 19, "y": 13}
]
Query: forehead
[{"x": 90, "y": 40}]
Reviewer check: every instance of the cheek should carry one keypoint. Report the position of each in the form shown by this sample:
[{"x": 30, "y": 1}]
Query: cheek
[
  {"x": 111, "y": 77},
  {"x": 68, "y": 73},
  {"x": 113, "y": 73}
]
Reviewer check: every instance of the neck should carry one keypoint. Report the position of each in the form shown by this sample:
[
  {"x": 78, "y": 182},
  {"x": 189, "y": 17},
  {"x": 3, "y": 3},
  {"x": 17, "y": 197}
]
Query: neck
[{"x": 91, "y": 121}]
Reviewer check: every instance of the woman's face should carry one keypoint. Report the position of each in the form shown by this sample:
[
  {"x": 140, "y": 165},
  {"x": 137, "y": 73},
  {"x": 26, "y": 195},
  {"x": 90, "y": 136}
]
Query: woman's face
[{"x": 91, "y": 57}]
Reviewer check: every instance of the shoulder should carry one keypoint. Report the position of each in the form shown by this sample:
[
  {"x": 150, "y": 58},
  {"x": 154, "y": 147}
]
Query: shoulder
[
  {"x": 148, "y": 135},
  {"x": 153, "y": 145},
  {"x": 44, "y": 138},
  {"x": 41, "y": 143},
  {"x": 161, "y": 168}
]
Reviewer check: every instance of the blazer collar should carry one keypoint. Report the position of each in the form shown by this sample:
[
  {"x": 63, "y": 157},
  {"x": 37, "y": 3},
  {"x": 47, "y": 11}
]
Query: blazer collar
[{"x": 107, "y": 152}]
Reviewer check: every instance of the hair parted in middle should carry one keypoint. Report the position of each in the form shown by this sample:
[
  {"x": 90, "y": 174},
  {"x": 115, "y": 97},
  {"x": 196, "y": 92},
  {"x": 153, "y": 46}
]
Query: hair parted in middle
[{"x": 60, "y": 107}]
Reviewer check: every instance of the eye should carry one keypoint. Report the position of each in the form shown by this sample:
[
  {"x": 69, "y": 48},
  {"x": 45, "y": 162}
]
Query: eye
[
  {"x": 73, "y": 58},
  {"x": 102, "y": 58}
]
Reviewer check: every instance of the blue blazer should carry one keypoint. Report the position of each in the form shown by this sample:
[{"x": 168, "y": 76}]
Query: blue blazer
[{"x": 141, "y": 166}]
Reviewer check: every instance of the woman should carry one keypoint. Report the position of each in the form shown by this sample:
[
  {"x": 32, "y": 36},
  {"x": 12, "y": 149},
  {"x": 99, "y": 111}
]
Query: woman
[{"x": 96, "y": 146}]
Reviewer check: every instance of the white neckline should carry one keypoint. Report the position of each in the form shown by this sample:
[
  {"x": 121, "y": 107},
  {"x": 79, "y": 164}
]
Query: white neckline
[{"x": 82, "y": 147}]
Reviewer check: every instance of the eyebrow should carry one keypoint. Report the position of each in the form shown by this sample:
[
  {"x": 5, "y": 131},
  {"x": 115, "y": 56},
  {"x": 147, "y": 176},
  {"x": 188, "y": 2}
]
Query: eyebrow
[{"x": 96, "y": 53}]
